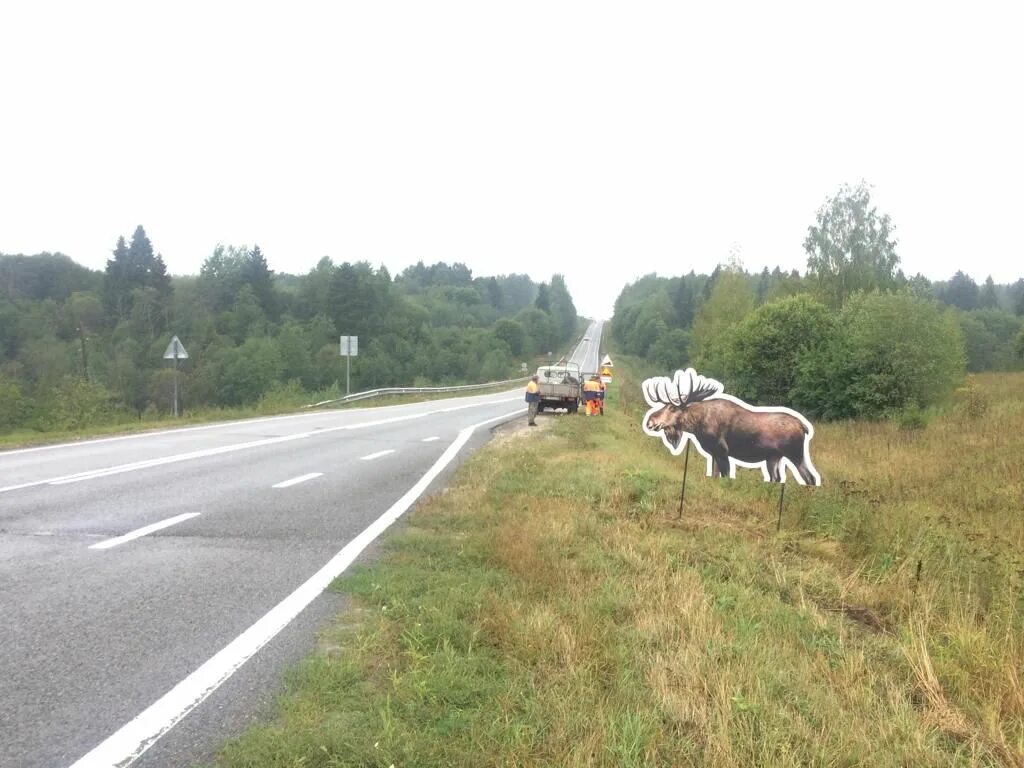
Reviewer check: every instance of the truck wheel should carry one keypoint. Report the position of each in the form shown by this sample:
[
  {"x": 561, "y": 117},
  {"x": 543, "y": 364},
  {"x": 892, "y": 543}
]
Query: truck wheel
[
  {"x": 540, "y": 408},
  {"x": 573, "y": 408}
]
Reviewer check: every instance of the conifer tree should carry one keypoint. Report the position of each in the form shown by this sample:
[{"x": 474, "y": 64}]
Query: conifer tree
[
  {"x": 682, "y": 303},
  {"x": 988, "y": 299},
  {"x": 135, "y": 266},
  {"x": 543, "y": 300},
  {"x": 258, "y": 274},
  {"x": 116, "y": 284},
  {"x": 563, "y": 310}
]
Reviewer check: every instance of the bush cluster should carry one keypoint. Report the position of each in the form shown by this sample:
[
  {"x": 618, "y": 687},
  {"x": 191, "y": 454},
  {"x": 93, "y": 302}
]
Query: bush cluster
[{"x": 881, "y": 354}]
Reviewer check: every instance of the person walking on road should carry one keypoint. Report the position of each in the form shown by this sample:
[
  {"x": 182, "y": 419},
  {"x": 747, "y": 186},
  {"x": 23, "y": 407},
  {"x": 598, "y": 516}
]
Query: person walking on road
[{"x": 532, "y": 400}]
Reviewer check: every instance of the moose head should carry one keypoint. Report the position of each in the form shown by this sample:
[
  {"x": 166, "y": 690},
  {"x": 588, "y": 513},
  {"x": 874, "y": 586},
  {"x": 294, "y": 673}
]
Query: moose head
[{"x": 670, "y": 397}]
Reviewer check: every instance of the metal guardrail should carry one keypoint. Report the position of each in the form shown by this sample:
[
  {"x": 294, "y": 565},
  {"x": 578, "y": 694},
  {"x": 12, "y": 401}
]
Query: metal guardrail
[{"x": 356, "y": 396}]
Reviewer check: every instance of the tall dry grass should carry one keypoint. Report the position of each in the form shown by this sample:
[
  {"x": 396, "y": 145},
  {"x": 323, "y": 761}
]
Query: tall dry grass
[
  {"x": 933, "y": 519},
  {"x": 549, "y": 609}
]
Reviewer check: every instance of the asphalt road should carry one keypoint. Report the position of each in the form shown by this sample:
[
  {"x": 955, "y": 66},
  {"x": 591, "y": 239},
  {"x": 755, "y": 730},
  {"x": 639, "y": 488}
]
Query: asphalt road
[
  {"x": 121, "y": 644},
  {"x": 92, "y": 637},
  {"x": 588, "y": 352}
]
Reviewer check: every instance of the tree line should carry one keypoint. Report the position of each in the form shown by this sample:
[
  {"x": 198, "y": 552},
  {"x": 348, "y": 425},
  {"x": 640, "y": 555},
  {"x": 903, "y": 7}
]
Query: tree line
[
  {"x": 853, "y": 336},
  {"x": 81, "y": 346}
]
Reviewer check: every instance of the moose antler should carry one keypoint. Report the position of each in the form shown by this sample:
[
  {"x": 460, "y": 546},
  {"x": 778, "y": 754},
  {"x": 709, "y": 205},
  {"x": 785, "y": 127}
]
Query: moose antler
[
  {"x": 685, "y": 387},
  {"x": 698, "y": 387},
  {"x": 683, "y": 382},
  {"x": 661, "y": 390}
]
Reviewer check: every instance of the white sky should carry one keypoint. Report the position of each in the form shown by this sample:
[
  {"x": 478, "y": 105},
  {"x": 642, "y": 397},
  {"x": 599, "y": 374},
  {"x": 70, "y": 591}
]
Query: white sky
[{"x": 601, "y": 140}]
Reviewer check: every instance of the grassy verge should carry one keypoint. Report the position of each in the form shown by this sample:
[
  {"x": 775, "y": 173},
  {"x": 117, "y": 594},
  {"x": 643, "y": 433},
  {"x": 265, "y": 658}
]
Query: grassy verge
[{"x": 549, "y": 610}]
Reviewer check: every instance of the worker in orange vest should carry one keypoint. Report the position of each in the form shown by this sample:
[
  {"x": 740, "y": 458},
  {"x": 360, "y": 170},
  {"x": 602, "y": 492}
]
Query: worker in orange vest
[
  {"x": 532, "y": 400},
  {"x": 591, "y": 394},
  {"x": 604, "y": 390}
]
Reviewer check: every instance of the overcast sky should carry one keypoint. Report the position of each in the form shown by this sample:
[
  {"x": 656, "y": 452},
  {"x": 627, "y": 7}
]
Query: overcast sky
[{"x": 600, "y": 140}]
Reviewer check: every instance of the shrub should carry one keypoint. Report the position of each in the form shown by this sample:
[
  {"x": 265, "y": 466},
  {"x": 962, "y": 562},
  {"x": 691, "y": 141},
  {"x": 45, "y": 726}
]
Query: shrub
[
  {"x": 78, "y": 403},
  {"x": 161, "y": 391},
  {"x": 763, "y": 352},
  {"x": 248, "y": 371},
  {"x": 283, "y": 396},
  {"x": 14, "y": 408},
  {"x": 912, "y": 418},
  {"x": 888, "y": 351}
]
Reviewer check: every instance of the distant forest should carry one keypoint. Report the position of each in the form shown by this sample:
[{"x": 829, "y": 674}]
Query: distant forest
[
  {"x": 851, "y": 337},
  {"x": 80, "y": 347}
]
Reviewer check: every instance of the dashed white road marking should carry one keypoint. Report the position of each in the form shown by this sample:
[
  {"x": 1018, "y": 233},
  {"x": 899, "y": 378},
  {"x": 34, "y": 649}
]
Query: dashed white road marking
[
  {"x": 430, "y": 439},
  {"x": 297, "y": 480},
  {"x": 140, "y": 532},
  {"x": 137, "y": 465},
  {"x": 218, "y": 425},
  {"x": 376, "y": 455},
  {"x": 125, "y": 745}
]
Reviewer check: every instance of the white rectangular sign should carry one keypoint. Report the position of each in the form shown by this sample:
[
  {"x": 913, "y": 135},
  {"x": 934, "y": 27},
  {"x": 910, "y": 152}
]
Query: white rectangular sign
[{"x": 349, "y": 346}]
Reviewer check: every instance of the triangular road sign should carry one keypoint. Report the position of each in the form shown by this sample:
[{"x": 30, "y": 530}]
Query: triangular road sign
[{"x": 175, "y": 350}]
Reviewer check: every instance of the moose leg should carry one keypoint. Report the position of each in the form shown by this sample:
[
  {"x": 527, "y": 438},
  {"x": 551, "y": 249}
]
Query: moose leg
[
  {"x": 711, "y": 450},
  {"x": 806, "y": 474},
  {"x": 722, "y": 466},
  {"x": 801, "y": 463},
  {"x": 772, "y": 464},
  {"x": 719, "y": 450}
]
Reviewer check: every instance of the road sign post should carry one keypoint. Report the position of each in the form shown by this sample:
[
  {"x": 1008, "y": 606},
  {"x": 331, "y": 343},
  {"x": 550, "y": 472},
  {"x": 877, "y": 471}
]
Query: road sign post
[
  {"x": 349, "y": 349},
  {"x": 606, "y": 369},
  {"x": 175, "y": 351}
]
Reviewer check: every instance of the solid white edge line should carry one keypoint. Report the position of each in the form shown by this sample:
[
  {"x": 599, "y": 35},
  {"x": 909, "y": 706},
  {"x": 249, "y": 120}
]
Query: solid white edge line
[
  {"x": 129, "y": 742},
  {"x": 297, "y": 480},
  {"x": 376, "y": 455},
  {"x": 138, "y": 533}
]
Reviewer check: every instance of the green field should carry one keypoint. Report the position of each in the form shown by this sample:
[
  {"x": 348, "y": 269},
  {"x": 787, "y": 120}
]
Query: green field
[{"x": 548, "y": 609}]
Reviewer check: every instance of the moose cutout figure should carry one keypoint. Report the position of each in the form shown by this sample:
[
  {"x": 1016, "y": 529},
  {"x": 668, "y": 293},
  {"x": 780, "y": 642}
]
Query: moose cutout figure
[{"x": 727, "y": 431}]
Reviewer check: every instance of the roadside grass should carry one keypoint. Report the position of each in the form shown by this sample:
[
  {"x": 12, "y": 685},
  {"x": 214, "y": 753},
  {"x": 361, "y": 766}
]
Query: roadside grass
[
  {"x": 269, "y": 406},
  {"x": 549, "y": 609}
]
